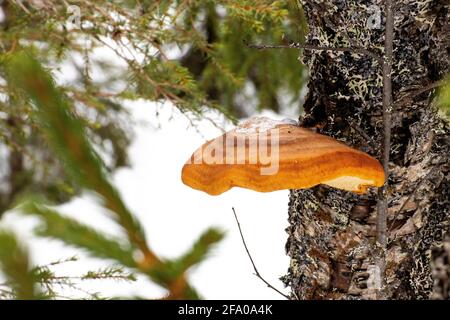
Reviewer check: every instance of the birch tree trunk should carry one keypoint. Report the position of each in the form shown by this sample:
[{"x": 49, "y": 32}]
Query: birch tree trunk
[{"x": 331, "y": 232}]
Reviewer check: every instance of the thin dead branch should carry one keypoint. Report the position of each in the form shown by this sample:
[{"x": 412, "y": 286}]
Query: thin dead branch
[
  {"x": 358, "y": 50},
  {"x": 382, "y": 204},
  {"x": 251, "y": 259}
]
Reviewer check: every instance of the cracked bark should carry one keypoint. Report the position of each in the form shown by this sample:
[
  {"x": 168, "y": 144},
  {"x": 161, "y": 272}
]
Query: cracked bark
[{"x": 332, "y": 233}]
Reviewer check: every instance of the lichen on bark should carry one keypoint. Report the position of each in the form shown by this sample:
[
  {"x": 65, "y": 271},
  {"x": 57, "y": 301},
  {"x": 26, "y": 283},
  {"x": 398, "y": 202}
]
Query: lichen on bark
[{"x": 331, "y": 232}]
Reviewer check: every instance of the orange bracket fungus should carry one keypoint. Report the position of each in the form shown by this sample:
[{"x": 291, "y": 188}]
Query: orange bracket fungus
[{"x": 267, "y": 155}]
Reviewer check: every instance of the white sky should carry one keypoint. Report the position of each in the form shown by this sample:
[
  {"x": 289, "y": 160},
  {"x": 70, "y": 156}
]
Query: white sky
[{"x": 174, "y": 215}]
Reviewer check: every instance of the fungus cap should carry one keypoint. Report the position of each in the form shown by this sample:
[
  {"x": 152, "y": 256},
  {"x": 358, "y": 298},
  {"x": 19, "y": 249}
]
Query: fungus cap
[{"x": 267, "y": 155}]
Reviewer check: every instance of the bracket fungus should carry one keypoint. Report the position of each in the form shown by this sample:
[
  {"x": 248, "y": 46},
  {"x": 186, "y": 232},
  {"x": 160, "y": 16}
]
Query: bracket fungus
[{"x": 267, "y": 155}]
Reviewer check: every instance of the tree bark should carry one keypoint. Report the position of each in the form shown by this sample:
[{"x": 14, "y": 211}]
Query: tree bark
[{"x": 332, "y": 233}]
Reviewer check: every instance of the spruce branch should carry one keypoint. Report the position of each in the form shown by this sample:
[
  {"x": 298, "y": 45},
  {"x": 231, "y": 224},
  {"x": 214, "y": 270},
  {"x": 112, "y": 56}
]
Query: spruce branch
[
  {"x": 199, "y": 250},
  {"x": 56, "y": 226},
  {"x": 51, "y": 282},
  {"x": 171, "y": 271},
  {"x": 15, "y": 265},
  {"x": 66, "y": 134}
]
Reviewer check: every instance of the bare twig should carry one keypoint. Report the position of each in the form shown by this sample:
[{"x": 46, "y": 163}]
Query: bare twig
[
  {"x": 382, "y": 204},
  {"x": 294, "y": 45},
  {"x": 251, "y": 259},
  {"x": 387, "y": 105}
]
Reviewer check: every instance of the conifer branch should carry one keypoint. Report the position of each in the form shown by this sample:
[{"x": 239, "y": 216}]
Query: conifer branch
[
  {"x": 16, "y": 266},
  {"x": 65, "y": 133}
]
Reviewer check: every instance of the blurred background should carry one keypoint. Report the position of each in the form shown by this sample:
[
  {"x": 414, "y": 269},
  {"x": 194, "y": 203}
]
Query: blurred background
[{"x": 137, "y": 86}]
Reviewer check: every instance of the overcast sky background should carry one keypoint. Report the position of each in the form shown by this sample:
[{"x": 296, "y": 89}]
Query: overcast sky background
[{"x": 174, "y": 215}]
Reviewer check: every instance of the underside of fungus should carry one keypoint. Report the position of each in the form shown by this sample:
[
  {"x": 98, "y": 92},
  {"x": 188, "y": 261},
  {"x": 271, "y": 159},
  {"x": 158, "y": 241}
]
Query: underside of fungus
[{"x": 267, "y": 155}]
